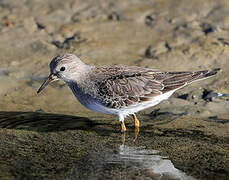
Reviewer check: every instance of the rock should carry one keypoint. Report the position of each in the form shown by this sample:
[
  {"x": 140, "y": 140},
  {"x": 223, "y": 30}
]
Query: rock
[
  {"x": 114, "y": 16},
  {"x": 154, "y": 52}
]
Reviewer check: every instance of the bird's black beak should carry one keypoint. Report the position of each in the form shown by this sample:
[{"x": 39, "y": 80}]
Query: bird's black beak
[{"x": 50, "y": 79}]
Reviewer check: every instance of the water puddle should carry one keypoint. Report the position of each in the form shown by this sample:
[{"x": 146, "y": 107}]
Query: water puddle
[
  {"x": 141, "y": 158},
  {"x": 125, "y": 162}
]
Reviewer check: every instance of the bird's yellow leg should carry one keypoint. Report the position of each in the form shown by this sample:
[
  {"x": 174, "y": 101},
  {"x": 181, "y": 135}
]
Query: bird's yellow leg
[
  {"x": 123, "y": 127},
  {"x": 136, "y": 125},
  {"x": 136, "y": 121}
]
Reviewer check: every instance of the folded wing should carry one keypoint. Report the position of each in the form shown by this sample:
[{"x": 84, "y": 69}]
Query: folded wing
[{"x": 124, "y": 86}]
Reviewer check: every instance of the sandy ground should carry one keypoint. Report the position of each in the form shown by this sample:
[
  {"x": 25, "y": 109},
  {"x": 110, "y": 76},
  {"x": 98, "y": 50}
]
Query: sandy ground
[{"x": 191, "y": 128}]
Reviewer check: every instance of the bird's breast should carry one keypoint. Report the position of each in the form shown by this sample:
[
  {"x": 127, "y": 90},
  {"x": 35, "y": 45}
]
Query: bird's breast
[{"x": 90, "y": 102}]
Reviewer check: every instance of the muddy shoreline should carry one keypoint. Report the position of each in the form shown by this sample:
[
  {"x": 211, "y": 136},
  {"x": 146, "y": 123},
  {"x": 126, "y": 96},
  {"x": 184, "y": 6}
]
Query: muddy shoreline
[
  {"x": 52, "y": 136},
  {"x": 39, "y": 145}
]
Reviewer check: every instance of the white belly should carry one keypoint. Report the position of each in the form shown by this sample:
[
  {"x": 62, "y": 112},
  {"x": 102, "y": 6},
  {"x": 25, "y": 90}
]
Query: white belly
[{"x": 125, "y": 111}]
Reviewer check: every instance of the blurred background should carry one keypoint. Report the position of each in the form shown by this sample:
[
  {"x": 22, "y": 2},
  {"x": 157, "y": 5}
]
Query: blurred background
[{"x": 171, "y": 35}]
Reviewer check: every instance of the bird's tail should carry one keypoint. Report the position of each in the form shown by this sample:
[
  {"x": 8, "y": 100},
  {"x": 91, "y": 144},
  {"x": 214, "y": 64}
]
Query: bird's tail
[
  {"x": 177, "y": 80},
  {"x": 200, "y": 75}
]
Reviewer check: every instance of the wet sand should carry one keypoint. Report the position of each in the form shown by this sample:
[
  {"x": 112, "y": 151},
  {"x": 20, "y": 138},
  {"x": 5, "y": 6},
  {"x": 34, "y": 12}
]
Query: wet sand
[
  {"x": 40, "y": 145},
  {"x": 51, "y": 136}
]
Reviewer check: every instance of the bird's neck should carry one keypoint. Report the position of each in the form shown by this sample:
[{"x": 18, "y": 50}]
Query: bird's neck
[{"x": 80, "y": 77}]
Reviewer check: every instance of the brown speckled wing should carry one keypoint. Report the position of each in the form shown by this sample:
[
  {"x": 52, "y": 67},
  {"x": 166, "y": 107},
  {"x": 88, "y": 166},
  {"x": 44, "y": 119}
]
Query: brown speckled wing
[{"x": 121, "y": 86}]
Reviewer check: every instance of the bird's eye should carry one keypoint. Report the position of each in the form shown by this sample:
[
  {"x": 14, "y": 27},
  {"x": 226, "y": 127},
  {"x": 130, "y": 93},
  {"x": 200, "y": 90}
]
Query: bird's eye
[{"x": 62, "y": 68}]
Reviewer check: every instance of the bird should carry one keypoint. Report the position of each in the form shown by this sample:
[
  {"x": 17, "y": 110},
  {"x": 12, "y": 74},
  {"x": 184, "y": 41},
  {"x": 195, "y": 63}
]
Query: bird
[{"x": 119, "y": 90}]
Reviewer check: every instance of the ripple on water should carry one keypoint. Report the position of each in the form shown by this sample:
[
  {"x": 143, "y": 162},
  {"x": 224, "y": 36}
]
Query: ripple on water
[{"x": 141, "y": 158}]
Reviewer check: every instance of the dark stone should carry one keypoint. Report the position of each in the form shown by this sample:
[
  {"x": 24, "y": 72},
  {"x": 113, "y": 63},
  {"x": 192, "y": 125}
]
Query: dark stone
[
  {"x": 67, "y": 43},
  {"x": 183, "y": 96},
  {"x": 207, "y": 28},
  {"x": 114, "y": 16},
  {"x": 40, "y": 26},
  {"x": 149, "y": 20},
  {"x": 205, "y": 95}
]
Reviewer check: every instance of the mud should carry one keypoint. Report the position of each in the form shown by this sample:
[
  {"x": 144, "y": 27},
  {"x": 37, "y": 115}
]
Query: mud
[{"x": 51, "y": 136}]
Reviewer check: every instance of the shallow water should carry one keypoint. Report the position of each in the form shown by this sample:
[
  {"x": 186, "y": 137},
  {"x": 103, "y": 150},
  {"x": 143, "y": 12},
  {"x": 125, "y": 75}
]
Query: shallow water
[
  {"x": 134, "y": 162},
  {"x": 144, "y": 159}
]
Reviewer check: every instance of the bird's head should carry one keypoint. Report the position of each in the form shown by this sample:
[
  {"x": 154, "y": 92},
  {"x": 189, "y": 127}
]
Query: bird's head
[{"x": 66, "y": 67}]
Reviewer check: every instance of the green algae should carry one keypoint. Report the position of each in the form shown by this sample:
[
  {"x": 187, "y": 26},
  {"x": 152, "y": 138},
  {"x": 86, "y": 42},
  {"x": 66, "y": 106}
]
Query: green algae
[{"x": 53, "y": 146}]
